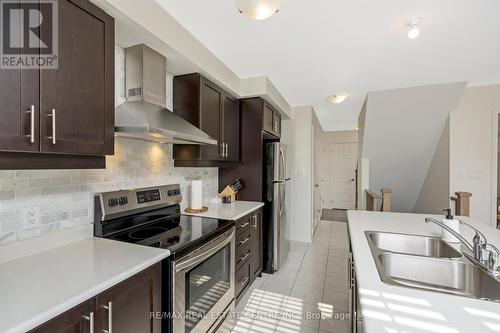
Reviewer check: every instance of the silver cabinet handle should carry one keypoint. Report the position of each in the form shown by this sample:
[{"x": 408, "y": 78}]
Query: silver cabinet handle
[
  {"x": 245, "y": 280},
  {"x": 246, "y": 239},
  {"x": 52, "y": 114},
  {"x": 254, "y": 221},
  {"x": 243, "y": 225},
  {"x": 90, "y": 318},
  {"x": 244, "y": 257},
  {"x": 32, "y": 124},
  {"x": 227, "y": 150},
  {"x": 109, "y": 308}
]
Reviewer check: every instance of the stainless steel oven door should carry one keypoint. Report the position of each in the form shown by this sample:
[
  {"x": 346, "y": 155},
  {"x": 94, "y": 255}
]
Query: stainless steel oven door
[{"x": 204, "y": 285}]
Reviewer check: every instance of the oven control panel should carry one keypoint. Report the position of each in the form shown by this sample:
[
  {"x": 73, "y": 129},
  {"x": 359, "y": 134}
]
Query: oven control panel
[{"x": 122, "y": 201}]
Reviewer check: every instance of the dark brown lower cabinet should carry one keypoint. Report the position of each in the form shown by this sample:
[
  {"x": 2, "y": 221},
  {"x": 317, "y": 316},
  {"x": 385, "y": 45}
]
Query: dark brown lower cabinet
[
  {"x": 125, "y": 308},
  {"x": 249, "y": 256},
  {"x": 79, "y": 319}
]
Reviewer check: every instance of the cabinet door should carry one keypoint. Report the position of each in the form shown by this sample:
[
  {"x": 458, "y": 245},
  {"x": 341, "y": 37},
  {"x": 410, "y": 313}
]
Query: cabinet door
[
  {"x": 256, "y": 262},
  {"x": 77, "y": 320},
  {"x": 268, "y": 119},
  {"x": 77, "y": 106},
  {"x": 211, "y": 104},
  {"x": 277, "y": 123},
  {"x": 126, "y": 307},
  {"x": 18, "y": 97},
  {"x": 231, "y": 128}
]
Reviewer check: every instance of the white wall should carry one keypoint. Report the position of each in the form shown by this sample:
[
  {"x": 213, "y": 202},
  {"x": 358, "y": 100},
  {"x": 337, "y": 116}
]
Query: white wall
[
  {"x": 435, "y": 193},
  {"x": 297, "y": 133},
  {"x": 326, "y": 140},
  {"x": 402, "y": 131},
  {"x": 472, "y": 166}
]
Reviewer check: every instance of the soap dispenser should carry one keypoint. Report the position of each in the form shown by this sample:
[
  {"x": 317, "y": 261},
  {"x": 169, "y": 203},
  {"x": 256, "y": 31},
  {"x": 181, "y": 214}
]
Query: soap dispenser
[{"x": 454, "y": 224}]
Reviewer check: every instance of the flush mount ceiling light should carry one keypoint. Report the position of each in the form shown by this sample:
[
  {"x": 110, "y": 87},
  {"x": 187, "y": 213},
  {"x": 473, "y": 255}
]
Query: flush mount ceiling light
[
  {"x": 413, "y": 26},
  {"x": 258, "y": 9},
  {"x": 337, "y": 99}
]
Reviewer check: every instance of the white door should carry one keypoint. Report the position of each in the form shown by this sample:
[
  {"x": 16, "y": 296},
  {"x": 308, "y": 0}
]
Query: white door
[
  {"x": 343, "y": 158},
  {"x": 316, "y": 181}
]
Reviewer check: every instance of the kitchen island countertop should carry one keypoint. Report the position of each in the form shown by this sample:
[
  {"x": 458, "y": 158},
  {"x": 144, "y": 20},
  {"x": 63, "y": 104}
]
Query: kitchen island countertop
[{"x": 394, "y": 309}]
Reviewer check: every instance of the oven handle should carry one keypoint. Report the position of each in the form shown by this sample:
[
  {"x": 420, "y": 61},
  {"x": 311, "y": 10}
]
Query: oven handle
[{"x": 213, "y": 248}]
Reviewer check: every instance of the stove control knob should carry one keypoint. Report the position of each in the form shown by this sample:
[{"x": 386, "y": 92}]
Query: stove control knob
[
  {"x": 171, "y": 193},
  {"x": 123, "y": 201},
  {"x": 177, "y": 191}
]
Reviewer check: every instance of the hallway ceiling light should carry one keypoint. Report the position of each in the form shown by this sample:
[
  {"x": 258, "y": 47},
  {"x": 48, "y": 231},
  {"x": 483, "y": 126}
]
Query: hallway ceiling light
[
  {"x": 337, "y": 99},
  {"x": 413, "y": 26},
  {"x": 258, "y": 9}
]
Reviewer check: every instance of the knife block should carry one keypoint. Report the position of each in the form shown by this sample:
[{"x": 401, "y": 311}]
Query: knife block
[{"x": 228, "y": 191}]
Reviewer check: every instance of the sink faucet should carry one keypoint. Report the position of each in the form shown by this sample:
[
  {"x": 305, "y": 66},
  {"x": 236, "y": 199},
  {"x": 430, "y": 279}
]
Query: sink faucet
[
  {"x": 454, "y": 233},
  {"x": 479, "y": 246}
]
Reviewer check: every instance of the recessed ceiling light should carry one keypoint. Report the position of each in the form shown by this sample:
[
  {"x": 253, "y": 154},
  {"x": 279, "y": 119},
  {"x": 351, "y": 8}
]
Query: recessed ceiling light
[
  {"x": 337, "y": 99},
  {"x": 413, "y": 26},
  {"x": 258, "y": 9}
]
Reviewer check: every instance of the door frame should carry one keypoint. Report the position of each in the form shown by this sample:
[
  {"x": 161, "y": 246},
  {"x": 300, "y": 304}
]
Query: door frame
[
  {"x": 330, "y": 167},
  {"x": 495, "y": 114}
]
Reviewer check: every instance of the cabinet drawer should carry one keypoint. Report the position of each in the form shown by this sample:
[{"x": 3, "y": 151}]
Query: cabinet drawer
[
  {"x": 243, "y": 238},
  {"x": 242, "y": 279},
  {"x": 242, "y": 257},
  {"x": 243, "y": 223}
]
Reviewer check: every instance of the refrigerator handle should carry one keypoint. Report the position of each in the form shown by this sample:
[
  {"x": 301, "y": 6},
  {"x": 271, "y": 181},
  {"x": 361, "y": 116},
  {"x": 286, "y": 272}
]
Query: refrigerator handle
[{"x": 283, "y": 163}]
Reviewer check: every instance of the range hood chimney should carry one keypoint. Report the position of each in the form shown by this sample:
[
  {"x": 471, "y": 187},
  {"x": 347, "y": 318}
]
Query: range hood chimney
[{"x": 144, "y": 115}]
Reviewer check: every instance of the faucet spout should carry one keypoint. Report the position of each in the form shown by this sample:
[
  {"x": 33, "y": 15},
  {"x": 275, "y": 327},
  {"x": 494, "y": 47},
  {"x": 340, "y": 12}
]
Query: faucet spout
[{"x": 453, "y": 232}]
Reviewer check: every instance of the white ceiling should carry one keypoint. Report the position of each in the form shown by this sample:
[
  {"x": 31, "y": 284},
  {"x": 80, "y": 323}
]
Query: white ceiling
[{"x": 312, "y": 49}]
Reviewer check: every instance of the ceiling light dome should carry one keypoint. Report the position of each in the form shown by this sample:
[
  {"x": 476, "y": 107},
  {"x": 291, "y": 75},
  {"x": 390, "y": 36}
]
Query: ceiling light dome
[
  {"x": 258, "y": 9},
  {"x": 337, "y": 99},
  {"x": 413, "y": 26}
]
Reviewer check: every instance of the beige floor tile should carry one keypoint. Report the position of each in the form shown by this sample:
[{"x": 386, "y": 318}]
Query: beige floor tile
[
  {"x": 336, "y": 284},
  {"x": 338, "y": 299},
  {"x": 285, "y": 275},
  {"x": 306, "y": 294}
]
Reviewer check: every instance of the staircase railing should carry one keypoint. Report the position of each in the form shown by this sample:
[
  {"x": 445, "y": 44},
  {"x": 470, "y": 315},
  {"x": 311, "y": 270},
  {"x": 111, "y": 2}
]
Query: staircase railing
[
  {"x": 462, "y": 203},
  {"x": 372, "y": 199}
]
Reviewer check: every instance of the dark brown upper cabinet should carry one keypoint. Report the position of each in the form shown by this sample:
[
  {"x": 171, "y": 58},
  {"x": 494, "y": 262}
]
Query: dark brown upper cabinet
[
  {"x": 64, "y": 117},
  {"x": 214, "y": 111},
  {"x": 272, "y": 120}
]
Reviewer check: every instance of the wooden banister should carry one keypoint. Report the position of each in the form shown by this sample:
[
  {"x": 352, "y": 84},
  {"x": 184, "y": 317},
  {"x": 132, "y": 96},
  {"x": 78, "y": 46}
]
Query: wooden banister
[
  {"x": 462, "y": 203},
  {"x": 372, "y": 197},
  {"x": 370, "y": 200},
  {"x": 386, "y": 200}
]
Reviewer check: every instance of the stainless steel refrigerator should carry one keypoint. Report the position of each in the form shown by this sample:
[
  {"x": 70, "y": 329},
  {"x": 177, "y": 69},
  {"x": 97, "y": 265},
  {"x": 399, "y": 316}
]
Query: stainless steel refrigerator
[{"x": 277, "y": 184}]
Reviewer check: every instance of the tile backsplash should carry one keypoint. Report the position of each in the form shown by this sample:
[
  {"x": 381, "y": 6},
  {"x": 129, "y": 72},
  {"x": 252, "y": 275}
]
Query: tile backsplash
[{"x": 62, "y": 199}]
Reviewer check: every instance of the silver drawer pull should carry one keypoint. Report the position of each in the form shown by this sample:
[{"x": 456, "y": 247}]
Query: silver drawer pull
[
  {"x": 90, "y": 319},
  {"x": 243, "y": 225},
  {"x": 245, "y": 280},
  {"x": 244, "y": 240},
  {"x": 244, "y": 257},
  {"x": 109, "y": 308},
  {"x": 52, "y": 114},
  {"x": 32, "y": 124}
]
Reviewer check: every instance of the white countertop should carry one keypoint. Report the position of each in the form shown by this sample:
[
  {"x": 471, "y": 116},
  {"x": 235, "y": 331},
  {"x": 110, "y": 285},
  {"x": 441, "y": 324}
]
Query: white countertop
[
  {"x": 38, "y": 287},
  {"x": 393, "y": 309},
  {"x": 233, "y": 211}
]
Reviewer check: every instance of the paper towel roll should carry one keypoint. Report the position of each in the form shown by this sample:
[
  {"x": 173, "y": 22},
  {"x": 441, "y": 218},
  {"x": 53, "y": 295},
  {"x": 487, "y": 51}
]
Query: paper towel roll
[{"x": 196, "y": 194}]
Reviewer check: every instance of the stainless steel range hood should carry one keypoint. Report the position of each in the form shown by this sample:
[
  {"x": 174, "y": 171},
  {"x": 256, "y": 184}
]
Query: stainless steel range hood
[{"x": 144, "y": 116}]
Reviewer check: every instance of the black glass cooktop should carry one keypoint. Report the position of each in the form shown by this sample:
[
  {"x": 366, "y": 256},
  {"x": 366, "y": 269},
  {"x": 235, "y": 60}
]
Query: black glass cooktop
[{"x": 179, "y": 233}]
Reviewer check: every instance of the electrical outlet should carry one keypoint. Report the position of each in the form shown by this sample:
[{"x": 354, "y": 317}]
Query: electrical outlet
[{"x": 31, "y": 217}]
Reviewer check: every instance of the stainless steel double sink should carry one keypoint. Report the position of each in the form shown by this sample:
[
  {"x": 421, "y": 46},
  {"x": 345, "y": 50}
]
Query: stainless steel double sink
[{"x": 429, "y": 263}]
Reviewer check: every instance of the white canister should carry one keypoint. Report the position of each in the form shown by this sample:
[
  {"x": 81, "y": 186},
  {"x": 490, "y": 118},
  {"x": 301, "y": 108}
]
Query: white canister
[{"x": 196, "y": 194}]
